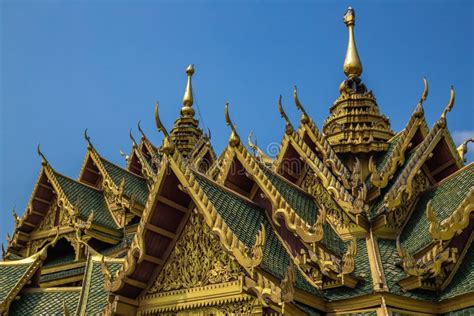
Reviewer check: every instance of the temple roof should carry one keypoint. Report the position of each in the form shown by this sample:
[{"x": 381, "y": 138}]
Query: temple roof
[
  {"x": 53, "y": 301},
  {"x": 350, "y": 219},
  {"x": 445, "y": 197}
]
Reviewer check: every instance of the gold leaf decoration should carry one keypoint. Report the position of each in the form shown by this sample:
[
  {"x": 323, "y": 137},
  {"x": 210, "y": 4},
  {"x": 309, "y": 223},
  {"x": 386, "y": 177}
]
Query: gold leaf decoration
[{"x": 197, "y": 260}]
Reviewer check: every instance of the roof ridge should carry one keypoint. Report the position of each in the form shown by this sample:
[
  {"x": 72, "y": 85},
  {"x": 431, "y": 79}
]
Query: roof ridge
[
  {"x": 77, "y": 181},
  {"x": 237, "y": 194},
  {"x": 120, "y": 167},
  {"x": 288, "y": 182}
]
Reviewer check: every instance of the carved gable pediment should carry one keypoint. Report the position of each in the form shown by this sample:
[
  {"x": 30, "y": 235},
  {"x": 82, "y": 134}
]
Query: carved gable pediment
[{"x": 197, "y": 260}]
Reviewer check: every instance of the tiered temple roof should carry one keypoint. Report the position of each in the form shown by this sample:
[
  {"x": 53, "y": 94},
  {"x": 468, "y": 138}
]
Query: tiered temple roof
[{"x": 353, "y": 219}]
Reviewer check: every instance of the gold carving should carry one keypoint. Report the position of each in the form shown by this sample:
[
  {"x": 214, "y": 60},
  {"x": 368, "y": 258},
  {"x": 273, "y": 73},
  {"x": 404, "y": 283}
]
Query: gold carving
[
  {"x": 258, "y": 153},
  {"x": 380, "y": 178},
  {"x": 197, "y": 260},
  {"x": 430, "y": 264},
  {"x": 396, "y": 218},
  {"x": 455, "y": 223},
  {"x": 234, "y": 139},
  {"x": 251, "y": 258},
  {"x": 348, "y": 263}
]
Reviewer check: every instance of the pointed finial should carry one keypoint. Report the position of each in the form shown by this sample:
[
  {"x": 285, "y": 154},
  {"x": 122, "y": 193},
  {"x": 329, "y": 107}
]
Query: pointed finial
[
  {"x": 419, "y": 106},
  {"x": 167, "y": 146},
  {"x": 299, "y": 106},
  {"x": 88, "y": 139},
  {"x": 448, "y": 108},
  {"x": 234, "y": 139},
  {"x": 288, "y": 126},
  {"x": 159, "y": 125},
  {"x": 251, "y": 144},
  {"x": 462, "y": 149},
  {"x": 352, "y": 64},
  {"x": 140, "y": 129},
  {"x": 134, "y": 143},
  {"x": 188, "y": 100},
  {"x": 44, "y": 161},
  {"x": 16, "y": 218}
]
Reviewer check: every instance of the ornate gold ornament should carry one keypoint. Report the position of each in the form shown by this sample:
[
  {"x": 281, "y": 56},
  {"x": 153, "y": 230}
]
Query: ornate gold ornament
[
  {"x": 397, "y": 157},
  {"x": 188, "y": 100},
  {"x": 332, "y": 184},
  {"x": 288, "y": 126},
  {"x": 234, "y": 139},
  {"x": 352, "y": 64},
  {"x": 197, "y": 260},
  {"x": 258, "y": 153},
  {"x": 403, "y": 186},
  {"x": 329, "y": 156},
  {"x": 266, "y": 291},
  {"x": 35, "y": 261},
  {"x": 168, "y": 146},
  {"x": 348, "y": 263},
  {"x": 454, "y": 223},
  {"x": 147, "y": 171},
  {"x": 149, "y": 147},
  {"x": 250, "y": 258},
  {"x": 430, "y": 265},
  {"x": 462, "y": 149},
  {"x": 396, "y": 218}
]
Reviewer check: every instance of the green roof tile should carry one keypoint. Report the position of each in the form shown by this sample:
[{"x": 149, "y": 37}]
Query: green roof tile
[
  {"x": 135, "y": 186},
  {"x": 445, "y": 197},
  {"x": 45, "y": 303},
  {"x": 58, "y": 260},
  {"x": 303, "y": 204},
  {"x": 9, "y": 277},
  {"x": 463, "y": 280},
  {"x": 61, "y": 274},
  {"x": 245, "y": 219},
  {"x": 306, "y": 207},
  {"x": 97, "y": 297},
  {"x": 125, "y": 243},
  {"x": 90, "y": 200},
  {"x": 394, "y": 272},
  {"x": 378, "y": 203},
  {"x": 362, "y": 271}
]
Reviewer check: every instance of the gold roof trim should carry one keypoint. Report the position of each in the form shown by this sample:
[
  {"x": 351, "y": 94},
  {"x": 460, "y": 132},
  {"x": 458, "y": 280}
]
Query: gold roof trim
[
  {"x": 309, "y": 234},
  {"x": 457, "y": 221},
  {"x": 429, "y": 265},
  {"x": 147, "y": 171},
  {"x": 35, "y": 262},
  {"x": 380, "y": 178},
  {"x": 404, "y": 183},
  {"x": 152, "y": 150},
  {"x": 345, "y": 199}
]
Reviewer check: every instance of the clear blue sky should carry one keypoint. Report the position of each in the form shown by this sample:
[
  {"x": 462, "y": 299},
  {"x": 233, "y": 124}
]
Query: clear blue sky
[{"x": 70, "y": 65}]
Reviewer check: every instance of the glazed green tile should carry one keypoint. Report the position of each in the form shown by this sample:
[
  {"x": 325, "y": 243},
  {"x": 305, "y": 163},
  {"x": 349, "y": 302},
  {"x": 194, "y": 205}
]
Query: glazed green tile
[
  {"x": 445, "y": 199},
  {"x": 45, "y": 303},
  {"x": 135, "y": 186},
  {"x": 89, "y": 200},
  {"x": 9, "y": 277}
]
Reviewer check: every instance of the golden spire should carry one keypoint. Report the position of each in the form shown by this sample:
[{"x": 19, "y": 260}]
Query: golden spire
[
  {"x": 352, "y": 64},
  {"x": 187, "y": 110}
]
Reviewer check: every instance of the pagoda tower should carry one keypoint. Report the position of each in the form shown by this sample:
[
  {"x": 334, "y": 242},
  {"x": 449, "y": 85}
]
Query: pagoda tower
[
  {"x": 186, "y": 132},
  {"x": 355, "y": 126}
]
